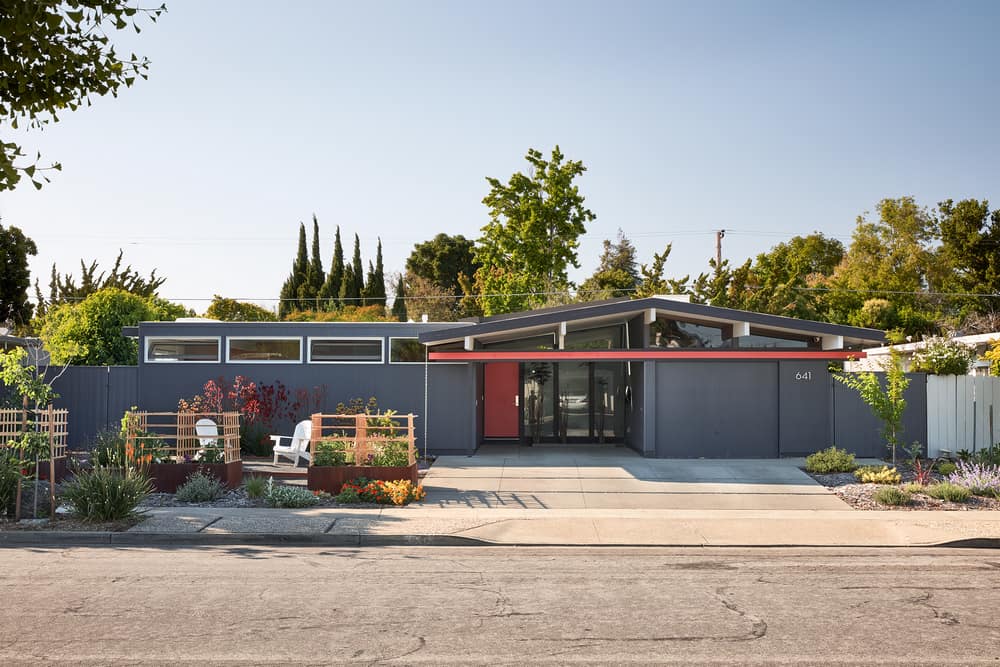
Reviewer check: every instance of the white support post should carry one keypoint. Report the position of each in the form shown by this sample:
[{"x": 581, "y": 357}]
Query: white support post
[
  {"x": 562, "y": 336},
  {"x": 741, "y": 329},
  {"x": 470, "y": 343},
  {"x": 650, "y": 316}
]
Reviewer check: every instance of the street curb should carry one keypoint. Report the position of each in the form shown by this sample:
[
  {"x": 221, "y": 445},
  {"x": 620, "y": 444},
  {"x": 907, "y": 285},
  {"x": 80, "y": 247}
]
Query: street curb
[
  {"x": 94, "y": 538},
  {"x": 104, "y": 538}
]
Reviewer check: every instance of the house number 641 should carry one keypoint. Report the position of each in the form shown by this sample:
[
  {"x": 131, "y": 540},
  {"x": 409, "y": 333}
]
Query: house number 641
[{"x": 806, "y": 375}]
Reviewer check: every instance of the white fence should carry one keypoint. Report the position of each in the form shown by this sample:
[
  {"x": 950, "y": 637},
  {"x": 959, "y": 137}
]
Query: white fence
[{"x": 963, "y": 412}]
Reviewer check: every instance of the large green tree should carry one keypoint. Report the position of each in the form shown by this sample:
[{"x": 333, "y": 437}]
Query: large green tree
[
  {"x": 89, "y": 333},
  {"x": 617, "y": 272},
  {"x": 56, "y": 55},
  {"x": 442, "y": 260},
  {"x": 970, "y": 251},
  {"x": 15, "y": 277},
  {"x": 789, "y": 279},
  {"x": 330, "y": 292},
  {"x": 289, "y": 296},
  {"x": 63, "y": 288},
  {"x": 890, "y": 258},
  {"x": 536, "y": 220},
  {"x": 231, "y": 310}
]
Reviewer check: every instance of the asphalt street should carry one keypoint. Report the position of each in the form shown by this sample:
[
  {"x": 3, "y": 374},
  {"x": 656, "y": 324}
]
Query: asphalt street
[{"x": 499, "y": 606}]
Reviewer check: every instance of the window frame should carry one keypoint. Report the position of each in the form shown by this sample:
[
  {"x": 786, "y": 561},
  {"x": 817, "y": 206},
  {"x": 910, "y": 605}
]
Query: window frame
[
  {"x": 380, "y": 339},
  {"x": 411, "y": 363},
  {"x": 229, "y": 346},
  {"x": 148, "y": 339}
]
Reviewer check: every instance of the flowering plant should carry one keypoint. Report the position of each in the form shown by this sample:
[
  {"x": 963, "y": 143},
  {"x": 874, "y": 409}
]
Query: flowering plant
[
  {"x": 983, "y": 479},
  {"x": 399, "y": 492},
  {"x": 261, "y": 407}
]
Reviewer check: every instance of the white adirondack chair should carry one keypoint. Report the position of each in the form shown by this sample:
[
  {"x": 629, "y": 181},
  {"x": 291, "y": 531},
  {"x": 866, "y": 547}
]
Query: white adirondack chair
[
  {"x": 207, "y": 432},
  {"x": 299, "y": 445}
]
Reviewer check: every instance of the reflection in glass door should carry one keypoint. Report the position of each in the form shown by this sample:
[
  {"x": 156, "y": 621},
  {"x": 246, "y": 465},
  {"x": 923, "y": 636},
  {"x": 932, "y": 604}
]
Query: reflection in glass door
[
  {"x": 574, "y": 400},
  {"x": 539, "y": 401},
  {"x": 609, "y": 401}
]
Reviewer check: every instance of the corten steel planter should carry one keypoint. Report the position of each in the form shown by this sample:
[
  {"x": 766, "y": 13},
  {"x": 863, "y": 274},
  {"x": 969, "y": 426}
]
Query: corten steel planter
[
  {"x": 62, "y": 470},
  {"x": 166, "y": 477},
  {"x": 332, "y": 478}
]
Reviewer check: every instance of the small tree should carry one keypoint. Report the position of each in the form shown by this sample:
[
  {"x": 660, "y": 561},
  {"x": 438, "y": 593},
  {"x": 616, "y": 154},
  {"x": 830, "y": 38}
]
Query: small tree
[
  {"x": 32, "y": 387},
  {"x": 887, "y": 403}
]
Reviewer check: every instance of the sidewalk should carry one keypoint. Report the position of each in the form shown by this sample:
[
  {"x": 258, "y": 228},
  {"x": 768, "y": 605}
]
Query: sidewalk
[{"x": 526, "y": 527}]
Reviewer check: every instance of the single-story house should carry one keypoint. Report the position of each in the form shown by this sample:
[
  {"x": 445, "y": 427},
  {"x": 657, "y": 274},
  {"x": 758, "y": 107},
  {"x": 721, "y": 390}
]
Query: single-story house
[
  {"x": 877, "y": 357},
  {"x": 660, "y": 375}
]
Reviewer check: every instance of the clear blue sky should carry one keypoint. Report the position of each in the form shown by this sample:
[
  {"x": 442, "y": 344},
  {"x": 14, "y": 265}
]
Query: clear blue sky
[{"x": 768, "y": 119}]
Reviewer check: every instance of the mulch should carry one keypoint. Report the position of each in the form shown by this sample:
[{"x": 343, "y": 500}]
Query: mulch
[{"x": 862, "y": 496}]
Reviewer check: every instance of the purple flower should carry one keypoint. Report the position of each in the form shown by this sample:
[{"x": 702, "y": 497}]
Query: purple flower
[{"x": 983, "y": 479}]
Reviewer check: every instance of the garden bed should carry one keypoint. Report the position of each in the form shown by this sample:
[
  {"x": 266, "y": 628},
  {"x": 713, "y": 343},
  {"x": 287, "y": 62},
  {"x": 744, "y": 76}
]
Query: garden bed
[
  {"x": 332, "y": 478},
  {"x": 862, "y": 496},
  {"x": 166, "y": 477}
]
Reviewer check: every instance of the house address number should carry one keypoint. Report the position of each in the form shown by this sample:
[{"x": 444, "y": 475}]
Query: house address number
[{"x": 804, "y": 375}]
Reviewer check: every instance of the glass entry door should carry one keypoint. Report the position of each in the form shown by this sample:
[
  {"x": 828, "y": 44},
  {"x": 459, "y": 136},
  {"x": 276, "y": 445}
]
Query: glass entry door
[{"x": 573, "y": 401}]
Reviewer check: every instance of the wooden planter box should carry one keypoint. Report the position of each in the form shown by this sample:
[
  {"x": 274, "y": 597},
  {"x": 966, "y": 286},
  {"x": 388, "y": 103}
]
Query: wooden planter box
[
  {"x": 332, "y": 478},
  {"x": 166, "y": 477}
]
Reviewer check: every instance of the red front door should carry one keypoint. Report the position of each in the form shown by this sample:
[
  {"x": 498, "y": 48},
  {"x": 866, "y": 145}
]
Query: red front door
[{"x": 500, "y": 411}]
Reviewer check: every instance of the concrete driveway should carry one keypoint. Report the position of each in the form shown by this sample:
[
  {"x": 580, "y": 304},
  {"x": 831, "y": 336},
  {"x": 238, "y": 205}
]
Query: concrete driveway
[{"x": 590, "y": 477}]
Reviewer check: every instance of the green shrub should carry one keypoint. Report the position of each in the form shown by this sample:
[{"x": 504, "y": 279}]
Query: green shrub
[
  {"x": 200, "y": 488},
  {"x": 349, "y": 495},
  {"x": 948, "y": 491},
  {"x": 392, "y": 453},
  {"x": 106, "y": 494},
  {"x": 332, "y": 452},
  {"x": 10, "y": 472},
  {"x": 877, "y": 475},
  {"x": 945, "y": 468},
  {"x": 830, "y": 460},
  {"x": 255, "y": 487},
  {"x": 289, "y": 496},
  {"x": 892, "y": 495},
  {"x": 914, "y": 487}
]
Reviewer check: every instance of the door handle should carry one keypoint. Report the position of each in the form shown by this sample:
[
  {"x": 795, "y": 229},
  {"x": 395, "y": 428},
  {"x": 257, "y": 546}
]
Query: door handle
[{"x": 517, "y": 401}]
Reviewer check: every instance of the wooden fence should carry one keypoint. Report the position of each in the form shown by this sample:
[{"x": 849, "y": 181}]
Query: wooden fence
[
  {"x": 364, "y": 436},
  {"x": 175, "y": 435},
  {"x": 963, "y": 412},
  {"x": 54, "y": 423}
]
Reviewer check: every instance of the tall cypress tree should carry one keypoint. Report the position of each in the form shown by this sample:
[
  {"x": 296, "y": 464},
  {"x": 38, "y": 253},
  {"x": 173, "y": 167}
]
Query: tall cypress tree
[
  {"x": 399, "y": 303},
  {"x": 290, "y": 290},
  {"x": 358, "y": 273},
  {"x": 330, "y": 292},
  {"x": 315, "y": 277},
  {"x": 368, "y": 299},
  {"x": 376, "y": 286},
  {"x": 347, "y": 295}
]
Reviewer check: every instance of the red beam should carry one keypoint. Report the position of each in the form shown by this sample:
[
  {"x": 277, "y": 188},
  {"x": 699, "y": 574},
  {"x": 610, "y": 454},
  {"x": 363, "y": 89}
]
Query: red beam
[{"x": 641, "y": 355}]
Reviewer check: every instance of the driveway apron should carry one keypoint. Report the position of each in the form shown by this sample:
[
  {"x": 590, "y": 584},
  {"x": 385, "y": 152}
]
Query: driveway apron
[{"x": 591, "y": 477}]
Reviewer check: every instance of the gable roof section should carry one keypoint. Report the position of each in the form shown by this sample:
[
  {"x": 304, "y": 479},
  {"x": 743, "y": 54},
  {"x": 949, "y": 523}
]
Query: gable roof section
[{"x": 624, "y": 308}]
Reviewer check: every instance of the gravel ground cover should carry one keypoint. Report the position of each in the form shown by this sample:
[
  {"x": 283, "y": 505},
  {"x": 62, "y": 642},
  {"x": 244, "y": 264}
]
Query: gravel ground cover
[{"x": 861, "y": 496}]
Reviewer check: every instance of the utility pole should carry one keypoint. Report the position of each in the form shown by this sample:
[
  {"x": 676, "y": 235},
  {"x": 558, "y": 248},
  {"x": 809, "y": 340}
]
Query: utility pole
[{"x": 719, "y": 235}]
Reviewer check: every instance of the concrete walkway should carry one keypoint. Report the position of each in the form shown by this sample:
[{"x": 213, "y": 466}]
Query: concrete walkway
[
  {"x": 577, "y": 497},
  {"x": 546, "y": 478}
]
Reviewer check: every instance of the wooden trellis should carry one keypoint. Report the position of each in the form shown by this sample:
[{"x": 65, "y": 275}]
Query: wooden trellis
[
  {"x": 363, "y": 436},
  {"x": 14, "y": 422},
  {"x": 173, "y": 435}
]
